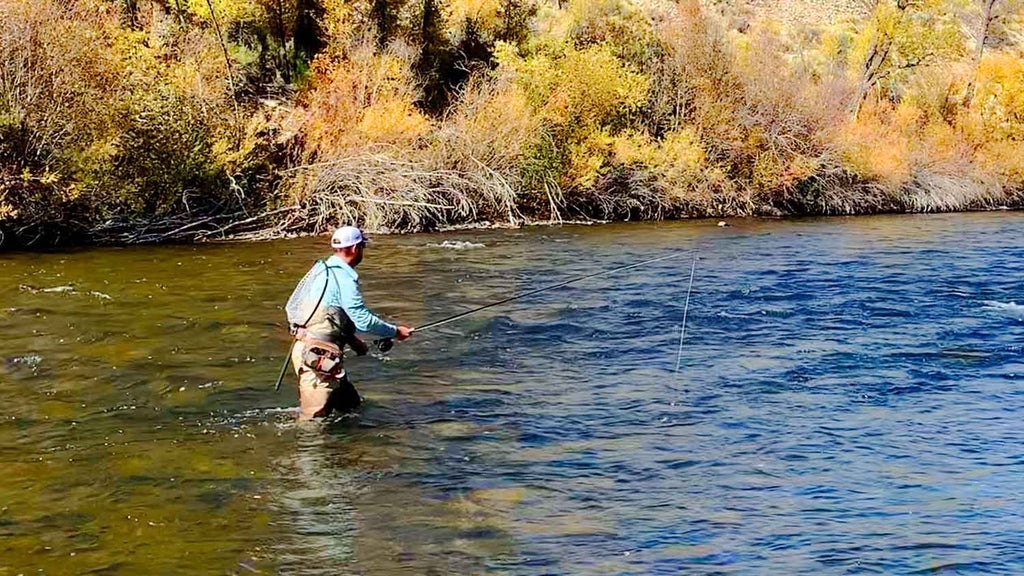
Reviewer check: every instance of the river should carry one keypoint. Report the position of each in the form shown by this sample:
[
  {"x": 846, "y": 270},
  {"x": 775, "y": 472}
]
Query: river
[{"x": 849, "y": 400}]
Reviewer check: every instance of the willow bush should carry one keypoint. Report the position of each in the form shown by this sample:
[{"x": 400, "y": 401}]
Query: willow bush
[{"x": 144, "y": 121}]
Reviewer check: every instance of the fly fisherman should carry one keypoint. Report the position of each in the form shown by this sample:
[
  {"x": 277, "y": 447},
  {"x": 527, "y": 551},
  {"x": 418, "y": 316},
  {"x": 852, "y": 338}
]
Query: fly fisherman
[{"x": 331, "y": 324}]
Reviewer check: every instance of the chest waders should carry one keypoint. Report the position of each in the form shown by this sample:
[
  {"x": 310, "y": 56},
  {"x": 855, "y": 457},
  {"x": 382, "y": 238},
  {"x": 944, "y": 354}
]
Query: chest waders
[{"x": 321, "y": 355}]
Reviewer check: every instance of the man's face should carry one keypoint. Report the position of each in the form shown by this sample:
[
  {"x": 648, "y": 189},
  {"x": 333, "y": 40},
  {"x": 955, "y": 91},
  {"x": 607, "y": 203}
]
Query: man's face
[{"x": 358, "y": 253}]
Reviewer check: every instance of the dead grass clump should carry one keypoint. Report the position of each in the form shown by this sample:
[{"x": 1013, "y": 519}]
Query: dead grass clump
[{"x": 372, "y": 157}]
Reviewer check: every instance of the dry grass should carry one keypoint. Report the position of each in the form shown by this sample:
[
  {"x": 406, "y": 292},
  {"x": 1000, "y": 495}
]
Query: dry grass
[{"x": 383, "y": 193}]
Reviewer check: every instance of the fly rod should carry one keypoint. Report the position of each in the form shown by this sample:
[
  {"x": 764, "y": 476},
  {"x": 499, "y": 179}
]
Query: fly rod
[{"x": 545, "y": 289}]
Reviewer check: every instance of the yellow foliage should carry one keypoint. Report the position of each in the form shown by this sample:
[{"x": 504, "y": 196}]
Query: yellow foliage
[
  {"x": 392, "y": 122},
  {"x": 536, "y": 75},
  {"x": 831, "y": 44},
  {"x": 1006, "y": 158},
  {"x": 587, "y": 159},
  {"x": 364, "y": 97},
  {"x": 940, "y": 148},
  {"x": 884, "y": 21},
  {"x": 226, "y": 11},
  {"x": 550, "y": 26},
  {"x": 999, "y": 98},
  {"x": 485, "y": 13},
  {"x": 678, "y": 160},
  {"x": 584, "y": 12},
  {"x": 340, "y": 23},
  {"x": 632, "y": 147},
  {"x": 583, "y": 87},
  {"x": 135, "y": 59},
  {"x": 907, "y": 34},
  {"x": 592, "y": 85},
  {"x": 583, "y": 96},
  {"x": 874, "y": 149},
  {"x": 906, "y": 116},
  {"x": 7, "y": 212},
  {"x": 831, "y": 51},
  {"x": 680, "y": 154}
]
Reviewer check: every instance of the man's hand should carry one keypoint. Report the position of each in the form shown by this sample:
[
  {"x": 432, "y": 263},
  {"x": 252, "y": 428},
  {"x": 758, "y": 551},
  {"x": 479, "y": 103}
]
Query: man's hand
[
  {"x": 358, "y": 346},
  {"x": 404, "y": 332}
]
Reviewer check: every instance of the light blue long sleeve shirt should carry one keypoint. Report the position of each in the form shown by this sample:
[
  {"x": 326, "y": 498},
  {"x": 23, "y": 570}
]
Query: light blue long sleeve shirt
[{"x": 343, "y": 291}]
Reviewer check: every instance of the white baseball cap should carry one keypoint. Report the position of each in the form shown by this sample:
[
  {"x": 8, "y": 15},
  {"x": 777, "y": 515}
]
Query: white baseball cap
[{"x": 347, "y": 236}]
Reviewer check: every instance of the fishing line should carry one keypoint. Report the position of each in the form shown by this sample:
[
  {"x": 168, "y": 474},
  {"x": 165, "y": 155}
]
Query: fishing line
[
  {"x": 385, "y": 344},
  {"x": 686, "y": 307},
  {"x": 455, "y": 317}
]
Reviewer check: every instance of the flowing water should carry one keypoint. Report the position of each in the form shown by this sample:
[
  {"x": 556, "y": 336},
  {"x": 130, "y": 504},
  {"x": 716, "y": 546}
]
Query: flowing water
[{"x": 850, "y": 400}]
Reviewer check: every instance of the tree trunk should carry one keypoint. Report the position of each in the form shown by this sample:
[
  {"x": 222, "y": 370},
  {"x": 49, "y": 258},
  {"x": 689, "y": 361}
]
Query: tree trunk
[
  {"x": 877, "y": 56},
  {"x": 979, "y": 52},
  {"x": 383, "y": 13},
  {"x": 308, "y": 34},
  {"x": 284, "y": 64}
]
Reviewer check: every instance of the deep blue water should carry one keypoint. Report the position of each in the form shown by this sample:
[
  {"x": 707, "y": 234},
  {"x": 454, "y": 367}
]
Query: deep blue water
[{"x": 850, "y": 397}]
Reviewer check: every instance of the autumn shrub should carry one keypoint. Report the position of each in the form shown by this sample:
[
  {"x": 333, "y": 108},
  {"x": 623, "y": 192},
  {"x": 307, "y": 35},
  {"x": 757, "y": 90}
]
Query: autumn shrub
[
  {"x": 102, "y": 123},
  {"x": 999, "y": 100},
  {"x": 366, "y": 98},
  {"x": 371, "y": 156},
  {"x": 916, "y": 162},
  {"x": 583, "y": 97},
  {"x": 144, "y": 121},
  {"x": 489, "y": 134},
  {"x": 994, "y": 123},
  {"x": 57, "y": 80}
]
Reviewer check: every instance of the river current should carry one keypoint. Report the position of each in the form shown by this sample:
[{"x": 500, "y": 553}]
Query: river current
[{"x": 849, "y": 400}]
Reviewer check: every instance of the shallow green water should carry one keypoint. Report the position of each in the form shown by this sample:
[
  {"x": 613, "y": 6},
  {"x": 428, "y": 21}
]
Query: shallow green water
[
  {"x": 849, "y": 402},
  {"x": 140, "y": 432}
]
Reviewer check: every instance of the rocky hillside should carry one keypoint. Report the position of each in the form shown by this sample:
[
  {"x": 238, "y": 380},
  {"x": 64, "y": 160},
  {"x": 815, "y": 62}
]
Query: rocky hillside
[{"x": 809, "y": 12}]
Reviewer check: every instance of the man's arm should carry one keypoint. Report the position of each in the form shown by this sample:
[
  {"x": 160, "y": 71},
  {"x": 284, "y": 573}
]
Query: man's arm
[{"x": 365, "y": 320}]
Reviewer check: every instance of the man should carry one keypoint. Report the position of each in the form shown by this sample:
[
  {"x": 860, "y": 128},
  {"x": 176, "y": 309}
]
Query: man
[{"x": 323, "y": 384}]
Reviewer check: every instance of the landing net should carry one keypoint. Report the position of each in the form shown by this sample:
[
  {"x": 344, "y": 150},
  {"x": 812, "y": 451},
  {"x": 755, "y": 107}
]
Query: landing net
[{"x": 308, "y": 295}]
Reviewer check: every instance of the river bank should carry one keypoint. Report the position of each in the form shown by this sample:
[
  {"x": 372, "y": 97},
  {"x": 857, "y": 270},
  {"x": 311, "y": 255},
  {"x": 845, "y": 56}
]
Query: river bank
[
  {"x": 152, "y": 122},
  {"x": 196, "y": 233}
]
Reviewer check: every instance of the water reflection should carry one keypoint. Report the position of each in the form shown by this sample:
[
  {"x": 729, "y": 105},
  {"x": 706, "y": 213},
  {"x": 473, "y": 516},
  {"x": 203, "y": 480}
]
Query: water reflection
[
  {"x": 344, "y": 501},
  {"x": 316, "y": 498}
]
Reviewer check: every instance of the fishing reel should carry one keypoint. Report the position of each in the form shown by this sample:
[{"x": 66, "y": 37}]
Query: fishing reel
[{"x": 384, "y": 345}]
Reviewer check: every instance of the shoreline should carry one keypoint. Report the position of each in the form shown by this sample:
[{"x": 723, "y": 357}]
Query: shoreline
[
  {"x": 266, "y": 236},
  {"x": 475, "y": 226}
]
